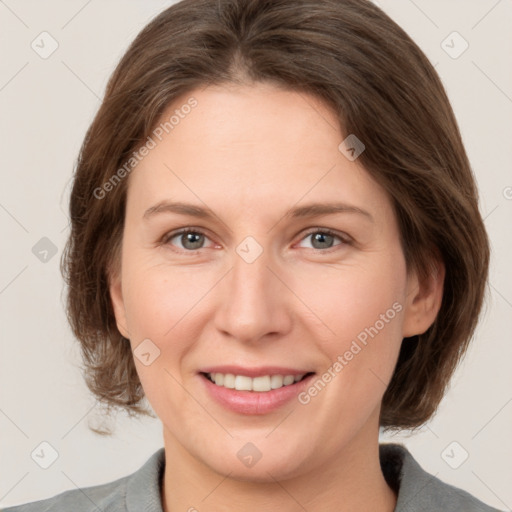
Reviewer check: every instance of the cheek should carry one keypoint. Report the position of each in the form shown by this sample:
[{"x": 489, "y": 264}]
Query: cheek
[
  {"x": 349, "y": 299},
  {"x": 365, "y": 311},
  {"x": 159, "y": 298},
  {"x": 166, "y": 305},
  {"x": 362, "y": 306},
  {"x": 162, "y": 304}
]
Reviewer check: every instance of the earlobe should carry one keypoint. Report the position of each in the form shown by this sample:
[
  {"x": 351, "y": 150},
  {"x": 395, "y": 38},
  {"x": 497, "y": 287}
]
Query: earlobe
[
  {"x": 424, "y": 299},
  {"x": 116, "y": 296}
]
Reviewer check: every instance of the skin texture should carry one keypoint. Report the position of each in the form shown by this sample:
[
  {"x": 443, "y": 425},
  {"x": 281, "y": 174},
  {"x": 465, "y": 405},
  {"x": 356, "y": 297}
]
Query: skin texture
[{"x": 250, "y": 153}]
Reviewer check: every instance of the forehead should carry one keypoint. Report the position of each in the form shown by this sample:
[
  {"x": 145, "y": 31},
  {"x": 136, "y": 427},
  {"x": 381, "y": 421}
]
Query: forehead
[{"x": 250, "y": 147}]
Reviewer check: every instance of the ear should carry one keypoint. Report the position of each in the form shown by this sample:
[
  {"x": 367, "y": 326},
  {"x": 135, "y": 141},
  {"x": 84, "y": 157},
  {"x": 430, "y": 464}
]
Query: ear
[
  {"x": 424, "y": 298},
  {"x": 116, "y": 296}
]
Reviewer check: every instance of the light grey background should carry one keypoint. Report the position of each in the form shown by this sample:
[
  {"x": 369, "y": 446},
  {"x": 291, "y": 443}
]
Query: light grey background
[{"x": 46, "y": 107}]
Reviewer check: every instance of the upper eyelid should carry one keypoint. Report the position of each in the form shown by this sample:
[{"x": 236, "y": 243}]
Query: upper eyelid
[
  {"x": 344, "y": 237},
  {"x": 172, "y": 234}
]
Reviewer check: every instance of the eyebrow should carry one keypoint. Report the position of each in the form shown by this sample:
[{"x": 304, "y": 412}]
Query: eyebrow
[{"x": 306, "y": 211}]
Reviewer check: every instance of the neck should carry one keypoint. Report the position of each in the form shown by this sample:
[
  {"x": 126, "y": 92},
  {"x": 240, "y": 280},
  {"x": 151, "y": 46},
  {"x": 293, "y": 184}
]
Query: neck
[{"x": 350, "y": 480}]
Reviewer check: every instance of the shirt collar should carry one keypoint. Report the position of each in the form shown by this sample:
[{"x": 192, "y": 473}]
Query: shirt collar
[{"x": 412, "y": 484}]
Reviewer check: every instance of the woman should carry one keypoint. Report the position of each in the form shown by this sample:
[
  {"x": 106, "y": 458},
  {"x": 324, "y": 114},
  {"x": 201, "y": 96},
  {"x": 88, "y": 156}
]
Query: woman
[{"x": 275, "y": 240}]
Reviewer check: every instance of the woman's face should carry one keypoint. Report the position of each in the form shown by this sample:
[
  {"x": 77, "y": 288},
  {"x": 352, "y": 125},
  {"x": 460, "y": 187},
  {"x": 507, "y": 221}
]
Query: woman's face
[{"x": 293, "y": 267}]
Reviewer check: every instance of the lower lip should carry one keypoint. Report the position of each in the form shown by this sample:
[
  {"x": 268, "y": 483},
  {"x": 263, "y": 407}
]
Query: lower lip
[{"x": 254, "y": 402}]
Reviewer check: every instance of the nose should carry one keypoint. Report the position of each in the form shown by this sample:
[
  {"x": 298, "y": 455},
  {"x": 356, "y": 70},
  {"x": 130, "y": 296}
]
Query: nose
[{"x": 254, "y": 302}]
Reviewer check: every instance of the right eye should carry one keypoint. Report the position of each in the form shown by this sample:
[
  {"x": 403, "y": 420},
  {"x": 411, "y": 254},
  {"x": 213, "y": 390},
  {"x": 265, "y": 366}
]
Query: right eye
[{"x": 191, "y": 240}]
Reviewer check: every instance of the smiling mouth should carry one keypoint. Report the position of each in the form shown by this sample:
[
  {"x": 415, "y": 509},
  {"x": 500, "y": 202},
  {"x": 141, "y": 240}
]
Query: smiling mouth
[{"x": 261, "y": 384}]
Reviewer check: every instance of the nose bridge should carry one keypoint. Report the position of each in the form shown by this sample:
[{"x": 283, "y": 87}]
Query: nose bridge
[{"x": 254, "y": 299}]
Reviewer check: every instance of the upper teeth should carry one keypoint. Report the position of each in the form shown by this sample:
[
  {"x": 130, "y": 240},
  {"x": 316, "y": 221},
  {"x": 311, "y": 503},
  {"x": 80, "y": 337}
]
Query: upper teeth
[{"x": 263, "y": 383}]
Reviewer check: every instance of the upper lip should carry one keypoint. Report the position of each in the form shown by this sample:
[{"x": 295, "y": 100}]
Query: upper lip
[{"x": 255, "y": 371}]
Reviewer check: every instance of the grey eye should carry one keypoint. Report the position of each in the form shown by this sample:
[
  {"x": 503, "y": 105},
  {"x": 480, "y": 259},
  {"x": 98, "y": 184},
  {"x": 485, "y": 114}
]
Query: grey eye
[
  {"x": 188, "y": 240},
  {"x": 321, "y": 240}
]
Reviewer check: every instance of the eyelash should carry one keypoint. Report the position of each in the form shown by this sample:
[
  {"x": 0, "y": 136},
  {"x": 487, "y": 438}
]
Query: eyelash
[{"x": 344, "y": 239}]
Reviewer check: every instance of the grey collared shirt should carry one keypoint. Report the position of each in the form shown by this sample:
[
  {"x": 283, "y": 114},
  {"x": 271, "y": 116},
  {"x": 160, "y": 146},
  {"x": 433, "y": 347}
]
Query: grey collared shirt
[{"x": 417, "y": 490}]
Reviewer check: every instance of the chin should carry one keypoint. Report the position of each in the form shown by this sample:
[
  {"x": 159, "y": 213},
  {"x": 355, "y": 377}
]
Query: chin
[{"x": 250, "y": 464}]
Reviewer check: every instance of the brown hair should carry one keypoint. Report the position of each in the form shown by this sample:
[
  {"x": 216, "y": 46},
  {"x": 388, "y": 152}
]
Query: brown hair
[{"x": 381, "y": 86}]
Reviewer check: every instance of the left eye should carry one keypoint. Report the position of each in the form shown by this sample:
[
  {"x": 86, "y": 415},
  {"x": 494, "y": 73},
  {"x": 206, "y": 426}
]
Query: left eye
[
  {"x": 190, "y": 240},
  {"x": 323, "y": 239}
]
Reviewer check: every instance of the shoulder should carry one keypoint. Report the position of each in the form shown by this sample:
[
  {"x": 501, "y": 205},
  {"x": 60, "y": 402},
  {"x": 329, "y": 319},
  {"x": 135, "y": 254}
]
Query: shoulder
[
  {"x": 122, "y": 495},
  {"x": 419, "y": 491},
  {"x": 107, "y": 497}
]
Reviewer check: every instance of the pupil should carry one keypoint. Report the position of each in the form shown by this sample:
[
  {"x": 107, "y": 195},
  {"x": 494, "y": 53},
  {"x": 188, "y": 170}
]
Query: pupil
[
  {"x": 322, "y": 238},
  {"x": 194, "y": 239}
]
